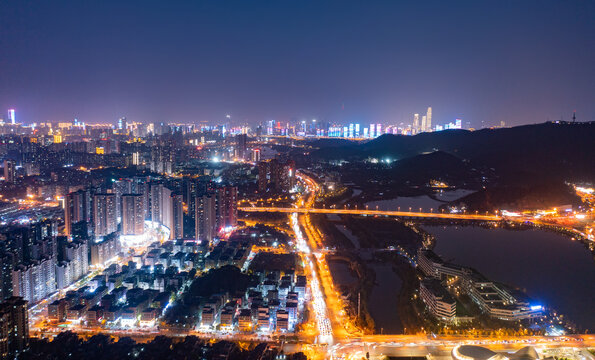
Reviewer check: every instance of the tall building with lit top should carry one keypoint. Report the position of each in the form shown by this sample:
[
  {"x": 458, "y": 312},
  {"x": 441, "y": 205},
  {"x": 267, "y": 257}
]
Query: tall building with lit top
[
  {"x": 429, "y": 119},
  {"x": 11, "y": 116},
  {"x": 415, "y": 128}
]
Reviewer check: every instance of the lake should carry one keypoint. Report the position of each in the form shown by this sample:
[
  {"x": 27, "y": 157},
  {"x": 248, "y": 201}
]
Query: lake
[{"x": 550, "y": 268}]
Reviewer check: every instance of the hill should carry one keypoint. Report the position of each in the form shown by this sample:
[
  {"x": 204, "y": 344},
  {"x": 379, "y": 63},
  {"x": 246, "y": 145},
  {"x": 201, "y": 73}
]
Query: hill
[{"x": 535, "y": 153}]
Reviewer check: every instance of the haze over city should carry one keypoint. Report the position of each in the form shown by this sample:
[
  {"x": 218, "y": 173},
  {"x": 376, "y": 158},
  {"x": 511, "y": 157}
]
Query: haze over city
[
  {"x": 297, "y": 180},
  {"x": 338, "y": 61}
]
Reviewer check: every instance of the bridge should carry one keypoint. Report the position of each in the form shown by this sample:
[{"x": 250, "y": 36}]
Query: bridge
[{"x": 406, "y": 214}]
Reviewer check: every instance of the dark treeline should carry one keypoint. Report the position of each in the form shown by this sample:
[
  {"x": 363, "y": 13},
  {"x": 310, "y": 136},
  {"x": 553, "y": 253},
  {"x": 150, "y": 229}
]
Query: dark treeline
[{"x": 68, "y": 345}]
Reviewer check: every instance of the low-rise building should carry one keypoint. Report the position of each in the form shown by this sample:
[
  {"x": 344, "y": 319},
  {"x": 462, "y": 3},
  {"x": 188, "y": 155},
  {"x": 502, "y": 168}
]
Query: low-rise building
[{"x": 438, "y": 301}]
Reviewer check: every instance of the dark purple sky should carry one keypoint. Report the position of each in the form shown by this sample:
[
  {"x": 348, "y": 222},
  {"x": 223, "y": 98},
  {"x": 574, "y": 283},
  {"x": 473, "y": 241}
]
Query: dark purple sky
[{"x": 187, "y": 61}]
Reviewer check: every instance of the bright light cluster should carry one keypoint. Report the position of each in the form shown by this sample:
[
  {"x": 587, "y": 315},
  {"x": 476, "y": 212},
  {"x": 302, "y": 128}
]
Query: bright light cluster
[
  {"x": 153, "y": 232},
  {"x": 322, "y": 320}
]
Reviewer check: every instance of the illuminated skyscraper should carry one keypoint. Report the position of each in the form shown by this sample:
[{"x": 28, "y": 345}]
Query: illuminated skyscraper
[
  {"x": 415, "y": 123},
  {"x": 429, "y": 119},
  {"x": 423, "y": 123},
  {"x": 122, "y": 124},
  {"x": 11, "y": 116}
]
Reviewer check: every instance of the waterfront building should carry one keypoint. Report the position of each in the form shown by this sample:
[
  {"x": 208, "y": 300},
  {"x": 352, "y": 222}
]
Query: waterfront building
[{"x": 438, "y": 301}]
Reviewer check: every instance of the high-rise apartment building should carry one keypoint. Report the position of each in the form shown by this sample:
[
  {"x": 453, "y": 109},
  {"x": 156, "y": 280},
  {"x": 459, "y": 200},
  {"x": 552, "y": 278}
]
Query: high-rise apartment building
[
  {"x": 10, "y": 170},
  {"x": 205, "y": 218},
  {"x": 104, "y": 214},
  {"x": 276, "y": 176},
  {"x": 140, "y": 185},
  {"x": 227, "y": 206},
  {"x": 241, "y": 146},
  {"x": 177, "y": 221},
  {"x": 14, "y": 327},
  {"x": 35, "y": 280},
  {"x": 156, "y": 199},
  {"x": 168, "y": 210},
  {"x": 7, "y": 262},
  {"x": 133, "y": 214},
  {"x": 76, "y": 209},
  {"x": 76, "y": 252},
  {"x": 121, "y": 187}
]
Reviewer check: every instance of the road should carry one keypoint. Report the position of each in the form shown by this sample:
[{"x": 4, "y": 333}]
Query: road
[
  {"x": 334, "y": 333},
  {"x": 410, "y": 214},
  {"x": 347, "y": 342}
]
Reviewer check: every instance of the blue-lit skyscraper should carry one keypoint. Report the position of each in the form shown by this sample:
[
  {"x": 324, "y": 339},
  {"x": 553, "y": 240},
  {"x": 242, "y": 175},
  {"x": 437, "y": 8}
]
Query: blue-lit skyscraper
[{"x": 11, "y": 116}]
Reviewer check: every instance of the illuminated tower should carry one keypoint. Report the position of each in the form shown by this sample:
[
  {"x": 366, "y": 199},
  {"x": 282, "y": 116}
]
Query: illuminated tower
[
  {"x": 423, "y": 123},
  {"x": 122, "y": 124},
  {"x": 415, "y": 123},
  {"x": 429, "y": 119},
  {"x": 11, "y": 116}
]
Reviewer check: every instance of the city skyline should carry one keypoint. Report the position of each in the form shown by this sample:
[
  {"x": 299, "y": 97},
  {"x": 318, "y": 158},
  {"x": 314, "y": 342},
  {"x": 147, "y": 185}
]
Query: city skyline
[
  {"x": 278, "y": 180},
  {"x": 342, "y": 63}
]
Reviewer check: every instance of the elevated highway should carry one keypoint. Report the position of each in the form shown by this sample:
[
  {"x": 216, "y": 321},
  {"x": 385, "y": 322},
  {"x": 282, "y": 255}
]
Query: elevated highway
[{"x": 404, "y": 214}]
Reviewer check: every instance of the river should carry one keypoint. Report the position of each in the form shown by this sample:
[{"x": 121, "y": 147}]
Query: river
[
  {"x": 424, "y": 202},
  {"x": 550, "y": 268},
  {"x": 382, "y": 303}
]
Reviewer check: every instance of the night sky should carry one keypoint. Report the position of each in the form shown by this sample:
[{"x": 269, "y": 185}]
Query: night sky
[{"x": 337, "y": 61}]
